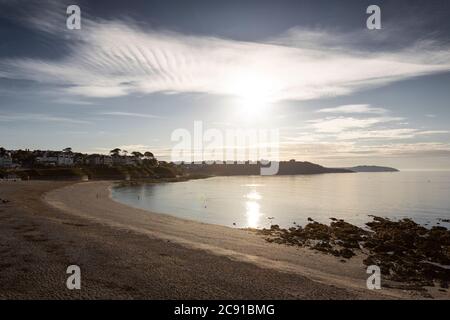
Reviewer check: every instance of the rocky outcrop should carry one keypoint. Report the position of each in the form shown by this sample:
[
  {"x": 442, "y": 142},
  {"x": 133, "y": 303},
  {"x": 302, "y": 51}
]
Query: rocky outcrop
[{"x": 405, "y": 251}]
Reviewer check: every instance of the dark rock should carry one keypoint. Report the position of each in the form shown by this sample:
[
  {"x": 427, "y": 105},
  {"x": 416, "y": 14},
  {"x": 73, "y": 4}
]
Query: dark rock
[
  {"x": 405, "y": 251},
  {"x": 346, "y": 253}
]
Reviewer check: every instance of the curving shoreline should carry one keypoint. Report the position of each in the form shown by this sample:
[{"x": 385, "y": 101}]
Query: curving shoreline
[
  {"x": 232, "y": 243},
  {"x": 154, "y": 255}
]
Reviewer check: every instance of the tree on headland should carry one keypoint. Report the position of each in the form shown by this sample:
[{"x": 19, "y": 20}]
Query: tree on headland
[
  {"x": 165, "y": 172},
  {"x": 137, "y": 154},
  {"x": 115, "y": 152},
  {"x": 148, "y": 155},
  {"x": 67, "y": 150},
  {"x": 125, "y": 152},
  {"x": 150, "y": 159}
]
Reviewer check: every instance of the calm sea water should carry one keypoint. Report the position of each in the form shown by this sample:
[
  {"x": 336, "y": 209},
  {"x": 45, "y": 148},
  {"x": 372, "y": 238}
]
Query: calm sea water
[{"x": 253, "y": 200}]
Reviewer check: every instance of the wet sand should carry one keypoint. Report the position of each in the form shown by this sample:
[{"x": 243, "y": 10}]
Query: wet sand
[{"x": 128, "y": 253}]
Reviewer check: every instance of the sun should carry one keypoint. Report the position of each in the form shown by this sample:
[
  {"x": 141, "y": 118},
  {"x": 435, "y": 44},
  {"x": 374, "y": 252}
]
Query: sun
[
  {"x": 253, "y": 94},
  {"x": 252, "y": 105}
]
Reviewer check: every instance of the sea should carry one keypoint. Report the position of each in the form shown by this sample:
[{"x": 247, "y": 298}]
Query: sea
[{"x": 261, "y": 201}]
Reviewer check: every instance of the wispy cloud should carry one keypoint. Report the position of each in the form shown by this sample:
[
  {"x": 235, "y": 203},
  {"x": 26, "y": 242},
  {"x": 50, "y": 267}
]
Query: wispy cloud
[
  {"x": 354, "y": 108},
  {"x": 116, "y": 58},
  {"x": 387, "y": 134},
  {"x": 33, "y": 117},
  {"x": 340, "y": 124},
  {"x": 365, "y": 123},
  {"x": 129, "y": 114},
  {"x": 351, "y": 150},
  {"x": 73, "y": 101}
]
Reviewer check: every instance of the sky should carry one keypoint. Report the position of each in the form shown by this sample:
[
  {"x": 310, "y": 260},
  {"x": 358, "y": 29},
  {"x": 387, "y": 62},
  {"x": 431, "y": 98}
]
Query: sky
[{"x": 338, "y": 93}]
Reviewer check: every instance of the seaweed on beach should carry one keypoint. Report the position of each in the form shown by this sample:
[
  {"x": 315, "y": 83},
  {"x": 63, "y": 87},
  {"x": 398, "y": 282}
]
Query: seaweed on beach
[{"x": 404, "y": 250}]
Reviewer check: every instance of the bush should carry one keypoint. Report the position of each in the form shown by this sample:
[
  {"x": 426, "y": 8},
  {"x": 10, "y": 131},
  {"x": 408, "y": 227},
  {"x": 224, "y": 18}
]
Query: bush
[{"x": 165, "y": 172}]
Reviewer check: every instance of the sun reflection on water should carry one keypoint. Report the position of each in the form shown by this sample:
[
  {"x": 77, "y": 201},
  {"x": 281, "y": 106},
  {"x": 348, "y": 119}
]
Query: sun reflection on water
[
  {"x": 253, "y": 209},
  {"x": 253, "y": 195}
]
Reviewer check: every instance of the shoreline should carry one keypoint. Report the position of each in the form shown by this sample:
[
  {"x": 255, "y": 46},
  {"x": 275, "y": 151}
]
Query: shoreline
[
  {"x": 79, "y": 223},
  {"x": 316, "y": 273},
  {"x": 238, "y": 244}
]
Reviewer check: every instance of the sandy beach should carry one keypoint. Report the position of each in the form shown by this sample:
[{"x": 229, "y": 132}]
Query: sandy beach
[{"x": 128, "y": 253}]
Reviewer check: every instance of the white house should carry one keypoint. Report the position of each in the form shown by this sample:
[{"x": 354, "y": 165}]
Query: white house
[
  {"x": 47, "y": 160},
  {"x": 56, "y": 159}
]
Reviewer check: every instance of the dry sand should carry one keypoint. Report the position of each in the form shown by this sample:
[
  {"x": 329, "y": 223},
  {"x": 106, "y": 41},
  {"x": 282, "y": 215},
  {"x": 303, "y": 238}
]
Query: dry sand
[{"x": 128, "y": 253}]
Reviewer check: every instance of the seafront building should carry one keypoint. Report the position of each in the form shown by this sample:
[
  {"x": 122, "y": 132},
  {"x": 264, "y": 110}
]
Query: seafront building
[{"x": 6, "y": 161}]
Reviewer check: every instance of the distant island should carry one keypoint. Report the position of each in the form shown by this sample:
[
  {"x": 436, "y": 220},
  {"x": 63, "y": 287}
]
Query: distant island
[{"x": 372, "y": 169}]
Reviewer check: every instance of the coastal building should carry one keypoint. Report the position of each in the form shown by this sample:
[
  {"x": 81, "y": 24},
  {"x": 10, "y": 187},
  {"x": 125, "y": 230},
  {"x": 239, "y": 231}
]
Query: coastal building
[
  {"x": 65, "y": 159},
  {"x": 56, "y": 159},
  {"x": 6, "y": 161},
  {"x": 100, "y": 160},
  {"x": 47, "y": 160}
]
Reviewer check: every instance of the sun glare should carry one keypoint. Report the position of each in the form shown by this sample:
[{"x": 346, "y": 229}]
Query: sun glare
[
  {"x": 253, "y": 214},
  {"x": 254, "y": 94}
]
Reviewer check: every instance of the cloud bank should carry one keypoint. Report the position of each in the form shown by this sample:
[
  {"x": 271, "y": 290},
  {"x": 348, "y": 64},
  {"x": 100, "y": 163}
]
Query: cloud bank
[{"x": 115, "y": 58}]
